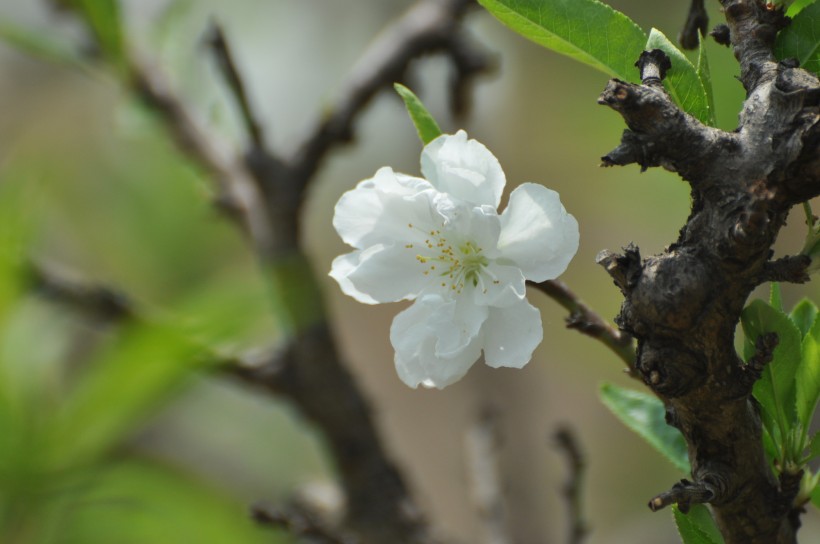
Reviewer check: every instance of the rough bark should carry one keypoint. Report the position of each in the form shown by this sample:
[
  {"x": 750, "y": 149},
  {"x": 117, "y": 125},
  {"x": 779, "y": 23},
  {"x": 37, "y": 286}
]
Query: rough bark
[{"x": 683, "y": 305}]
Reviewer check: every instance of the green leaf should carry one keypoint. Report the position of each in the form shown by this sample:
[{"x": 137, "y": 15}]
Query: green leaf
[
  {"x": 646, "y": 415},
  {"x": 138, "y": 502},
  {"x": 803, "y": 315},
  {"x": 815, "y": 496},
  {"x": 808, "y": 376},
  {"x": 697, "y": 526},
  {"x": 426, "y": 126},
  {"x": 776, "y": 389},
  {"x": 705, "y": 75},
  {"x": 585, "y": 30},
  {"x": 104, "y": 19},
  {"x": 775, "y": 296},
  {"x": 38, "y": 44},
  {"x": 799, "y": 39},
  {"x": 682, "y": 80},
  {"x": 814, "y": 446},
  {"x": 797, "y": 6},
  {"x": 128, "y": 381}
]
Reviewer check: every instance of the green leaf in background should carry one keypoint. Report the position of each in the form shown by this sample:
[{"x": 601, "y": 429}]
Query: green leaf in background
[
  {"x": 799, "y": 39},
  {"x": 808, "y": 376},
  {"x": 797, "y": 6},
  {"x": 682, "y": 81},
  {"x": 130, "y": 378},
  {"x": 426, "y": 126},
  {"x": 646, "y": 415},
  {"x": 137, "y": 502},
  {"x": 776, "y": 389},
  {"x": 17, "y": 215},
  {"x": 38, "y": 44},
  {"x": 803, "y": 315},
  {"x": 705, "y": 75},
  {"x": 585, "y": 30},
  {"x": 697, "y": 526},
  {"x": 103, "y": 17},
  {"x": 814, "y": 446},
  {"x": 815, "y": 496}
]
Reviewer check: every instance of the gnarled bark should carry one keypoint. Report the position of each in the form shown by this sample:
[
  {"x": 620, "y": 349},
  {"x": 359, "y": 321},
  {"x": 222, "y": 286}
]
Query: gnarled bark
[{"x": 683, "y": 305}]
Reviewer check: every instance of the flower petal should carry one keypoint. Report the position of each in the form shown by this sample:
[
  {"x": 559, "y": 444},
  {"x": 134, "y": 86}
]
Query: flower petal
[
  {"x": 379, "y": 209},
  {"x": 388, "y": 273},
  {"x": 456, "y": 323},
  {"x": 511, "y": 334},
  {"x": 537, "y": 233},
  {"x": 463, "y": 168},
  {"x": 414, "y": 341},
  {"x": 499, "y": 285},
  {"x": 342, "y": 266}
]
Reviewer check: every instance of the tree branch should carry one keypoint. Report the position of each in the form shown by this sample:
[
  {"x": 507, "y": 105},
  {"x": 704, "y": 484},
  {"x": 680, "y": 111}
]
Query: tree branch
[
  {"x": 586, "y": 321},
  {"x": 566, "y": 442},
  {"x": 264, "y": 193},
  {"x": 428, "y": 26},
  {"x": 683, "y": 305}
]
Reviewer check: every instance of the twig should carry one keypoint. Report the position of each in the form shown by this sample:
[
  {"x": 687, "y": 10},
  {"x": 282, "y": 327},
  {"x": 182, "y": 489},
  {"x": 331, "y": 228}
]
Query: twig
[
  {"x": 239, "y": 196},
  {"x": 566, "y": 443},
  {"x": 428, "y": 26},
  {"x": 60, "y": 285},
  {"x": 697, "y": 23},
  {"x": 264, "y": 193},
  {"x": 583, "y": 319},
  {"x": 481, "y": 448},
  {"x": 221, "y": 49}
]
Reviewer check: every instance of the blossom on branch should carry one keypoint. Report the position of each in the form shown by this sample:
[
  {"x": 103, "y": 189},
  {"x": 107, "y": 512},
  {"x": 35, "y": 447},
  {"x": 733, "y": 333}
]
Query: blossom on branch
[{"x": 441, "y": 242}]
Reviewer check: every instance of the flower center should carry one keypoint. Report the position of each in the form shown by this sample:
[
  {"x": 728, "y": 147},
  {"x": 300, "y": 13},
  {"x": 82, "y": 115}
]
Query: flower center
[{"x": 457, "y": 265}]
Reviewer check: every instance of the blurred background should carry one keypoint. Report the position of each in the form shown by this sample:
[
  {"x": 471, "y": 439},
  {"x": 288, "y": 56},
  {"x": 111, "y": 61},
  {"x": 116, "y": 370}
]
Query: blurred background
[{"x": 164, "y": 452}]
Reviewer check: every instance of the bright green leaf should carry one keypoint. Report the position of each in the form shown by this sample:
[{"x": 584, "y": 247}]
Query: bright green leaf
[
  {"x": 771, "y": 434},
  {"x": 705, "y": 75},
  {"x": 803, "y": 315},
  {"x": 682, "y": 80},
  {"x": 585, "y": 30},
  {"x": 800, "y": 39},
  {"x": 645, "y": 414},
  {"x": 815, "y": 496},
  {"x": 797, "y": 6},
  {"x": 776, "y": 389},
  {"x": 426, "y": 126},
  {"x": 697, "y": 526},
  {"x": 808, "y": 376}
]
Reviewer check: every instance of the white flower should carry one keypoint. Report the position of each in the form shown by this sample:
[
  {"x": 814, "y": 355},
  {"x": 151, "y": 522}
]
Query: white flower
[{"x": 441, "y": 242}]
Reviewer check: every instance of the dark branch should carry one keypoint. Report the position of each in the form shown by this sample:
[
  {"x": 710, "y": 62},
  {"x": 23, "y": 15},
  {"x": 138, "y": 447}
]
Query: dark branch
[
  {"x": 792, "y": 269},
  {"x": 683, "y": 305},
  {"x": 684, "y": 494},
  {"x": 221, "y": 49},
  {"x": 697, "y": 22},
  {"x": 428, "y": 26},
  {"x": 566, "y": 443},
  {"x": 239, "y": 196},
  {"x": 96, "y": 301}
]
